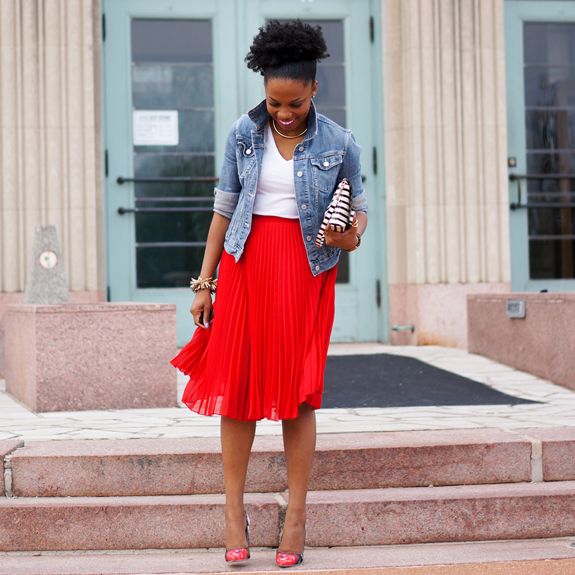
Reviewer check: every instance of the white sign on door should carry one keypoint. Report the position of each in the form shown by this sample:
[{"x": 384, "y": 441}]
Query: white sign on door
[{"x": 156, "y": 128}]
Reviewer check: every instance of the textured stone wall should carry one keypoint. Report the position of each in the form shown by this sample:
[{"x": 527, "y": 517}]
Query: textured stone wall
[
  {"x": 445, "y": 141},
  {"x": 446, "y": 174},
  {"x": 50, "y": 130}
]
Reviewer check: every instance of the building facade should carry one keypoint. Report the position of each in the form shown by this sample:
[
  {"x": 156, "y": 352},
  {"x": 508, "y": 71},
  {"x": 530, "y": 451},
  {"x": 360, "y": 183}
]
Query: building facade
[{"x": 113, "y": 116}]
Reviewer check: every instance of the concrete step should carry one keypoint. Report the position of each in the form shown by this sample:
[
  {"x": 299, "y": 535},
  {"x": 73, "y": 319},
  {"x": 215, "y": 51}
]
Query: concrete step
[
  {"x": 335, "y": 518},
  {"x": 533, "y": 557},
  {"x": 188, "y": 466},
  {"x": 7, "y": 446}
]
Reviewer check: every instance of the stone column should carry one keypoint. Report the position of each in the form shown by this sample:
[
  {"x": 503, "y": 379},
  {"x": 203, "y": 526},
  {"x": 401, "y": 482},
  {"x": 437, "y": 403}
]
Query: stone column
[
  {"x": 50, "y": 148},
  {"x": 446, "y": 175}
]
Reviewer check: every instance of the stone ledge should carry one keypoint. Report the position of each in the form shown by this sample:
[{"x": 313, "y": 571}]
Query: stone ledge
[
  {"x": 91, "y": 356},
  {"x": 105, "y": 307},
  {"x": 7, "y": 446},
  {"x": 540, "y": 343},
  {"x": 161, "y": 522},
  {"x": 107, "y": 467},
  {"x": 441, "y": 514},
  {"x": 558, "y": 446},
  {"x": 334, "y": 518}
]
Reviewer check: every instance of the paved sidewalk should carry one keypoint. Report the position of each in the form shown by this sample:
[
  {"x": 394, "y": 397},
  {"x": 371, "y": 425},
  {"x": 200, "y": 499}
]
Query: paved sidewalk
[
  {"x": 557, "y": 407},
  {"x": 520, "y": 557}
]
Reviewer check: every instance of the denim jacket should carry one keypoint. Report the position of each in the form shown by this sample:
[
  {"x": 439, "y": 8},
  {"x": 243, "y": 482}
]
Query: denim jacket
[{"x": 326, "y": 155}]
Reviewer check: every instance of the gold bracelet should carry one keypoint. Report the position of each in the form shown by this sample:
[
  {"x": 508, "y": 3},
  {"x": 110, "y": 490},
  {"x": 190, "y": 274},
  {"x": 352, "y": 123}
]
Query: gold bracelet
[{"x": 203, "y": 283}]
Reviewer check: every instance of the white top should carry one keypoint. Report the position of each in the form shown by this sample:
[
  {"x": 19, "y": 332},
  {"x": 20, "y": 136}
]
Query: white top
[{"x": 275, "y": 194}]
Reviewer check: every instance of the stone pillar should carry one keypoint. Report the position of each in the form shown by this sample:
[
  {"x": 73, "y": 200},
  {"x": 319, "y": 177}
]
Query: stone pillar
[
  {"x": 50, "y": 148},
  {"x": 446, "y": 175}
]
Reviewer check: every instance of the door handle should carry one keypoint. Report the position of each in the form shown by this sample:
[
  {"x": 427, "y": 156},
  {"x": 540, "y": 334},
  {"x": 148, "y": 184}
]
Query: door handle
[
  {"x": 538, "y": 177},
  {"x": 517, "y": 204},
  {"x": 123, "y": 180},
  {"x": 122, "y": 210}
]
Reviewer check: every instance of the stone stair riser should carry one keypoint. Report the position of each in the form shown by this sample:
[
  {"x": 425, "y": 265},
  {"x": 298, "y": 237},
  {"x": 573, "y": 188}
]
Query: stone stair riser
[
  {"x": 442, "y": 520},
  {"x": 334, "y": 469},
  {"x": 176, "y": 522},
  {"x": 341, "y": 518}
]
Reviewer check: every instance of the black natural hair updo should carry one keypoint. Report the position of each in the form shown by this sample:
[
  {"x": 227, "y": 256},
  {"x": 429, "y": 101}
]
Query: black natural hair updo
[{"x": 287, "y": 50}]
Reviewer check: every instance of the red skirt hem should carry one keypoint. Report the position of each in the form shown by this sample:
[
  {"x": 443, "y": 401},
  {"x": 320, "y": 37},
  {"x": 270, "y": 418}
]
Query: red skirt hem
[{"x": 264, "y": 353}]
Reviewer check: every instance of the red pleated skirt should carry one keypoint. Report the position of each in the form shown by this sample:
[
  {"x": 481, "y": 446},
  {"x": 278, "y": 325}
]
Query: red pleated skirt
[{"x": 265, "y": 350}]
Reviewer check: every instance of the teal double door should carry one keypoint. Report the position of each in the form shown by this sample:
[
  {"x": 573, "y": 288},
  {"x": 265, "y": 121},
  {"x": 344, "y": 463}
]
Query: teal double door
[
  {"x": 175, "y": 81},
  {"x": 540, "y": 68}
]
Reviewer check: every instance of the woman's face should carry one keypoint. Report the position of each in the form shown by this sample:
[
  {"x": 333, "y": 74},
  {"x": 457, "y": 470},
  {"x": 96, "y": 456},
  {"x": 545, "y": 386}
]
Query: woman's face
[{"x": 288, "y": 103}]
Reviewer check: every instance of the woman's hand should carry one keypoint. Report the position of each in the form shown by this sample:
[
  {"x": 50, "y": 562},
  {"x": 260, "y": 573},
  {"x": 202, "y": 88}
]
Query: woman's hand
[
  {"x": 345, "y": 240},
  {"x": 201, "y": 308}
]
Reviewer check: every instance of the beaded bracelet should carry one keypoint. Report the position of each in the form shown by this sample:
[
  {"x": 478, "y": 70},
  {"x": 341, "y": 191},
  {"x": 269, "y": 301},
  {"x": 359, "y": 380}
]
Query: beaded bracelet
[{"x": 203, "y": 283}]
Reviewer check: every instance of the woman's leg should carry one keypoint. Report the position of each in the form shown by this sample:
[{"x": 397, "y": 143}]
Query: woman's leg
[
  {"x": 299, "y": 445},
  {"x": 237, "y": 438}
]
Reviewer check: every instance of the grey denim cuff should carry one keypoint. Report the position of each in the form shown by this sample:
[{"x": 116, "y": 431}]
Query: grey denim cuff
[
  {"x": 225, "y": 202},
  {"x": 359, "y": 203}
]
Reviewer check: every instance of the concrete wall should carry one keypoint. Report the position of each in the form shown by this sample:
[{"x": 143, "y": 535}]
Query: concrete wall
[{"x": 446, "y": 175}]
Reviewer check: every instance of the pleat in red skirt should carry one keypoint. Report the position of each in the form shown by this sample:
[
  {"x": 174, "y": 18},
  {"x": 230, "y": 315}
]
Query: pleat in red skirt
[{"x": 264, "y": 353}]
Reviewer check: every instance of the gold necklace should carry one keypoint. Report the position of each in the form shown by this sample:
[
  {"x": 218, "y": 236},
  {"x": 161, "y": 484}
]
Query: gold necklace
[{"x": 283, "y": 135}]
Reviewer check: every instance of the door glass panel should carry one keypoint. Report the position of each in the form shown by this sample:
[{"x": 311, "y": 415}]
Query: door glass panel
[
  {"x": 330, "y": 99},
  {"x": 549, "y": 74},
  {"x": 173, "y": 73}
]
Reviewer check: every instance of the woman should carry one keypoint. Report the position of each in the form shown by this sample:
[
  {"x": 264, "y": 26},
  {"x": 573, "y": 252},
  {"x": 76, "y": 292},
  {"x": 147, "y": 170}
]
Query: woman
[{"x": 262, "y": 347}]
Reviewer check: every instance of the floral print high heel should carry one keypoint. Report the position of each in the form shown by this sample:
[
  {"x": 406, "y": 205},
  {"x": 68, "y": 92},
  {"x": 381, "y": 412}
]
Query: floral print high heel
[
  {"x": 240, "y": 554},
  {"x": 288, "y": 558}
]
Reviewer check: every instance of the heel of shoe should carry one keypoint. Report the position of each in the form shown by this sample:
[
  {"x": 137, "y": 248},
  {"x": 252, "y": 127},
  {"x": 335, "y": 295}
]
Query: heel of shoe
[
  {"x": 240, "y": 554},
  {"x": 286, "y": 559}
]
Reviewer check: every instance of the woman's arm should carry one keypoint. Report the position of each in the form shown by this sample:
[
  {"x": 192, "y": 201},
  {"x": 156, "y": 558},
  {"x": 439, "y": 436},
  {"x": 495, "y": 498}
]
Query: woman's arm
[
  {"x": 351, "y": 169},
  {"x": 226, "y": 196},
  {"x": 201, "y": 308},
  {"x": 347, "y": 240}
]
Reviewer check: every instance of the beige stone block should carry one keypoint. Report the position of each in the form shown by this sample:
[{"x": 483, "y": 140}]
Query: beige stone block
[
  {"x": 91, "y": 356},
  {"x": 541, "y": 343},
  {"x": 438, "y": 311},
  {"x": 396, "y": 253},
  {"x": 392, "y": 15},
  {"x": 411, "y": 24},
  {"x": 393, "y": 92}
]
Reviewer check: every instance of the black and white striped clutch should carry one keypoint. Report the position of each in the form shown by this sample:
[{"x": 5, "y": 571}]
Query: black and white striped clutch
[{"x": 339, "y": 214}]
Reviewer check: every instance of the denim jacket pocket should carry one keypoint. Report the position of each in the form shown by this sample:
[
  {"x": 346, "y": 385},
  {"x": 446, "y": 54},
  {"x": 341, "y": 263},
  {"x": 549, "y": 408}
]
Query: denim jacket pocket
[
  {"x": 325, "y": 170},
  {"x": 246, "y": 159}
]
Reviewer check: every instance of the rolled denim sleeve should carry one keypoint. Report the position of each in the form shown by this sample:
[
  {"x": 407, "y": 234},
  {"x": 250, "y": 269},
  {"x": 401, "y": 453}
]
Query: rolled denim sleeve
[
  {"x": 227, "y": 191},
  {"x": 351, "y": 169}
]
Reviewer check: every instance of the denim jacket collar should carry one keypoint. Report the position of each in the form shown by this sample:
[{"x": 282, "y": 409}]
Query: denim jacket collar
[{"x": 259, "y": 115}]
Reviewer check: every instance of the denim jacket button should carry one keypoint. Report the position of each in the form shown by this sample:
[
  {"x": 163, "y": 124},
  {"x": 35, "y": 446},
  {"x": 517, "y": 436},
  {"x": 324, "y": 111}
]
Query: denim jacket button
[
  {"x": 248, "y": 151},
  {"x": 308, "y": 238},
  {"x": 326, "y": 164},
  {"x": 300, "y": 174},
  {"x": 316, "y": 268},
  {"x": 300, "y": 148},
  {"x": 304, "y": 206}
]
